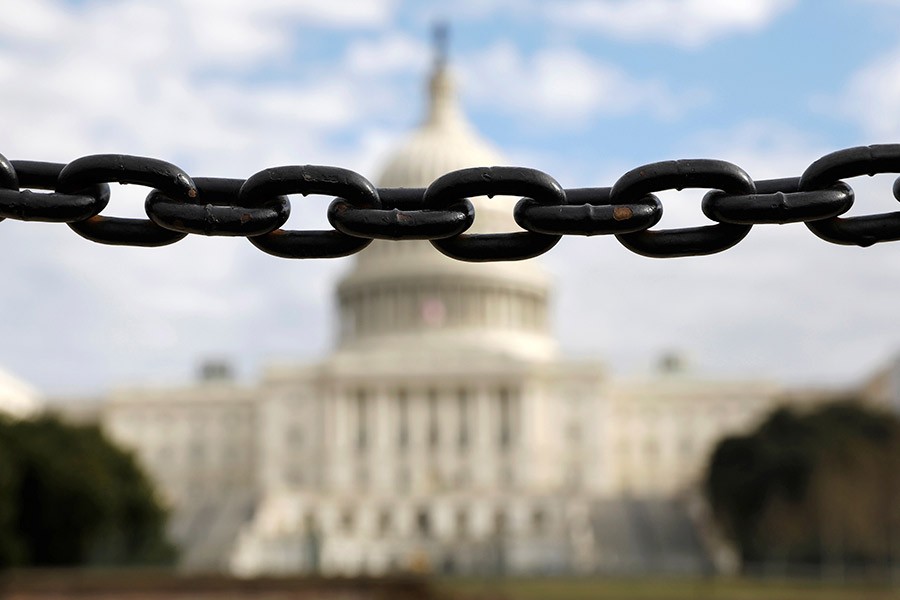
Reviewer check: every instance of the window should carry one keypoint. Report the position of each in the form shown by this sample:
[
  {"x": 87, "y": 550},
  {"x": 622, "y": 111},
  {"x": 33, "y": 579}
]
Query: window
[
  {"x": 433, "y": 437},
  {"x": 377, "y": 309},
  {"x": 462, "y": 523},
  {"x": 462, "y": 400},
  {"x": 538, "y": 521},
  {"x": 506, "y": 408},
  {"x": 499, "y": 523},
  {"x": 309, "y": 523},
  {"x": 347, "y": 520},
  {"x": 423, "y": 522},
  {"x": 384, "y": 521}
]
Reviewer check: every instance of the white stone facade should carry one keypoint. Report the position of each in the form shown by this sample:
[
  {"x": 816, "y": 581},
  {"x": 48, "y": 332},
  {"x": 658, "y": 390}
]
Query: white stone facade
[
  {"x": 197, "y": 442},
  {"x": 665, "y": 426}
]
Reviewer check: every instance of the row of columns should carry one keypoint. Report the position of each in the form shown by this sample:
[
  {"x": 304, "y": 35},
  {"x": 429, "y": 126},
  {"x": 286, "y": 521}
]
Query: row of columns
[
  {"x": 403, "y": 308},
  {"x": 384, "y": 431}
]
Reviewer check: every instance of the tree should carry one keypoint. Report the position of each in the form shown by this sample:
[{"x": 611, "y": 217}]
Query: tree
[
  {"x": 68, "y": 496},
  {"x": 819, "y": 488}
]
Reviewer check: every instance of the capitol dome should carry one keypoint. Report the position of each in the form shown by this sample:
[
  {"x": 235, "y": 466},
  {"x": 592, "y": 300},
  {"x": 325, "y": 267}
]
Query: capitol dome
[{"x": 403, "y": 292}]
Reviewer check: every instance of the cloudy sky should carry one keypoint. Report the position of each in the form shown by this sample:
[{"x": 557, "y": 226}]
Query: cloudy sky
[{"x": 584, "y": 90}]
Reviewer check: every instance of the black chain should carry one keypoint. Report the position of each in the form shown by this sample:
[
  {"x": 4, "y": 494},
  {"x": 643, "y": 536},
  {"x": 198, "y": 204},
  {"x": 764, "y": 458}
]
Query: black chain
[{"x": 256, "y": 208}]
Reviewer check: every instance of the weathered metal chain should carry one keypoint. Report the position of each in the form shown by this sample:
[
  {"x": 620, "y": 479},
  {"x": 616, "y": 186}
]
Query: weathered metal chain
[{"x": 257, "y": 207}]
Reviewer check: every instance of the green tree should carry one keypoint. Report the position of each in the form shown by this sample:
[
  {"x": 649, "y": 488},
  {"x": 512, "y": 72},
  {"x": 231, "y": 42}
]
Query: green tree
[
  {"x": 821, "y": 487},
  {"x": 68, "y": 496}
]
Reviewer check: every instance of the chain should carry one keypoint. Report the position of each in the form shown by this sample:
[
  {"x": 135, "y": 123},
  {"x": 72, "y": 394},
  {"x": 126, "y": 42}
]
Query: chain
[{"x": 256, "y": 208}]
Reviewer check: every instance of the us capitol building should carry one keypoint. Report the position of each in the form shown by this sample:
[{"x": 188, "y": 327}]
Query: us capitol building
[{"x": 445, "y": 432}]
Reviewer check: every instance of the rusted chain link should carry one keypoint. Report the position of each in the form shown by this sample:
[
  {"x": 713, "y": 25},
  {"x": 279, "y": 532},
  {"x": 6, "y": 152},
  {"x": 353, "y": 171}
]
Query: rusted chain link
[{"x": 257, "y": 207}]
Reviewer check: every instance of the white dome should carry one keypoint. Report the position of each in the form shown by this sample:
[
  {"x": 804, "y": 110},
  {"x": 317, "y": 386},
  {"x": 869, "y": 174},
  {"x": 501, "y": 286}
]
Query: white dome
[
  {"x": 444, "y": 142},
  {"x": 400, "y": 290}
]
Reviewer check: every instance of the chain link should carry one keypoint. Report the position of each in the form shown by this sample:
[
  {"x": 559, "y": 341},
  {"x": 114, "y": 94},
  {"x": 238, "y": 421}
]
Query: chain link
[
  {"x": 256, "y": 208},
  {"x": 453, "y": 187},
  {"x": 680, "y": 174},
  {"x": 53, "y": 207},
  {"x": 853, "y": 162}
]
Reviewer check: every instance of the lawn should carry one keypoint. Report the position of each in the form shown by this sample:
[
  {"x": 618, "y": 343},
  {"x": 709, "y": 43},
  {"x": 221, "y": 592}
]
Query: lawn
[{"x": 656, "y": 589}]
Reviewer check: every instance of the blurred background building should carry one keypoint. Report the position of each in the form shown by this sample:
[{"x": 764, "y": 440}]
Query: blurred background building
[
  {"x": 17, "y": 398},
  {"x": 445, "y": 432}
]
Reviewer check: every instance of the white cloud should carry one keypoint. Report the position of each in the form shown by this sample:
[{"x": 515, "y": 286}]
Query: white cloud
[
  {"x": 388, "y": 54},
  {"x": 426, "y": 14},
  {"x": 764, "y": 148},
  {"x": 170, "y": 79},
  {"x": 237, "y": 31},
  {"x": 173, "y": 80},
  {"x": 871, "y": 97},
  {"x": 151, "y": 77},
  {"x": 34, "y": 22},
  {"x": 782, "y": 303},
  {"x": 689, "y": 23},
  {"x": 564, "y": 85}
]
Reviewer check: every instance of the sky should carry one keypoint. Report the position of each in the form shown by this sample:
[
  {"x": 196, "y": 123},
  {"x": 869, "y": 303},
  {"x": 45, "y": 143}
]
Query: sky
[{"x": 584, "y": 90}]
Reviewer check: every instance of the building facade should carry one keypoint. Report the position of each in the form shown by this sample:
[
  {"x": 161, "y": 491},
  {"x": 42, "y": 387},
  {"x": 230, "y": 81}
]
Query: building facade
[{"x": 444, "y": 433}]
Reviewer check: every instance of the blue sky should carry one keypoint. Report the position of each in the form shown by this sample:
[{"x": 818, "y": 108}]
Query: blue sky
[{"x": 584, "y": 90}]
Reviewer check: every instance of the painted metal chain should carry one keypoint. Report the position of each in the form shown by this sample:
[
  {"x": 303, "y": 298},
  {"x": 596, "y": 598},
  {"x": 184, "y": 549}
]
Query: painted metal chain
[{"x": 257, "y": 207}]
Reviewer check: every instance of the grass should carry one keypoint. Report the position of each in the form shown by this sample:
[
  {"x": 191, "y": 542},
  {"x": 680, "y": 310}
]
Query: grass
[{"x": 659, "y": 589}]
